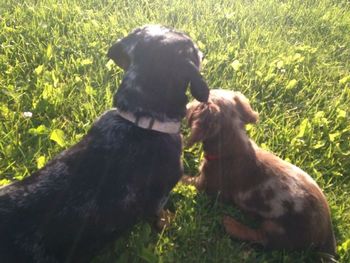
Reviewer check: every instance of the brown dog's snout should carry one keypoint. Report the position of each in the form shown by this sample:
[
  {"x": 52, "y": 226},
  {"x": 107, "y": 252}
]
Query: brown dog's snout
[{"x": 203, "y": 120}]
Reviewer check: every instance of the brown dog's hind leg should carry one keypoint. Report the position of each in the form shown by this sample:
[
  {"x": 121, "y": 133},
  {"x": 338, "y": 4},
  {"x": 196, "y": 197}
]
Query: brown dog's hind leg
[
  {"x": 240, "y": 231},
  {"x": 270, "y": 234}
]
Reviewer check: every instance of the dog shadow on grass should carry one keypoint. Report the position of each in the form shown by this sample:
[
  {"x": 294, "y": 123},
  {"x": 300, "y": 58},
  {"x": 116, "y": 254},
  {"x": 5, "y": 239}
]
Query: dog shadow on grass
[{"x": 195, "y": 234}]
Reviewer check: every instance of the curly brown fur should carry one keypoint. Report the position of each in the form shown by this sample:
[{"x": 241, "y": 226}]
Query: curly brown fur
[{"x": 292, "y": 207}]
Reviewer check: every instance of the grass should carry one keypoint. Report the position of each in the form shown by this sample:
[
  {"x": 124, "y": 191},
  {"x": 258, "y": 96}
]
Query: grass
[{"x": 291, "y": 58}]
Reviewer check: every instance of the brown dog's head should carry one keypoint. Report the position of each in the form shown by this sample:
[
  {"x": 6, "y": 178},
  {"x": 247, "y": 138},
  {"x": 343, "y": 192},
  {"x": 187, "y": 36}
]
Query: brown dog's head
[
  {"x": 225, "y": 111},
  {"x": 159, "y": 64}
]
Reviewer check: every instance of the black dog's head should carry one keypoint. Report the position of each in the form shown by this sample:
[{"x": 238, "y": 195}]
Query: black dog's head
[{"x": 159, "y": 64}]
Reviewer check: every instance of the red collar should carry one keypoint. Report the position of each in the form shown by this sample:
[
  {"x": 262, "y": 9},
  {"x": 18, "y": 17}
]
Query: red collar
[{"x": 211, "y": 157}]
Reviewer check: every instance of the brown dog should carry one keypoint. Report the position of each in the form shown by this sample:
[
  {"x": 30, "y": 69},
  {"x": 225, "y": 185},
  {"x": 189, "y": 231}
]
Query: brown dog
[{"x": 293, "y": 209}]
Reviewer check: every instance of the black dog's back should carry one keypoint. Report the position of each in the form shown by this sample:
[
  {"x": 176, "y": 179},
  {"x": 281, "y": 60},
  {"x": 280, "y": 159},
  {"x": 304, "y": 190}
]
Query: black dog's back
[
  {"x": 119, "y": 173},
  {"x": 89, "y": 194}
]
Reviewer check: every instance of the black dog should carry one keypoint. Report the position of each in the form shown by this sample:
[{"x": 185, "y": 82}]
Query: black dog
[{"x": 121, "y": 171}]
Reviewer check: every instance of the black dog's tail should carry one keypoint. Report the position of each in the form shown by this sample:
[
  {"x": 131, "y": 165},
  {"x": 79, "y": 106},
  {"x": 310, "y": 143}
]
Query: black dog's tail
[{"x": 328, "y": 250}]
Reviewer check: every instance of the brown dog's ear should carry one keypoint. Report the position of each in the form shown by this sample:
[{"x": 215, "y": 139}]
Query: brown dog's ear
[
  {"x": 202, "y": 120},
  {"x": 118, "y": 54},
  {"x": 247, "y": 114},
  {"x": 199, "y": 88}
]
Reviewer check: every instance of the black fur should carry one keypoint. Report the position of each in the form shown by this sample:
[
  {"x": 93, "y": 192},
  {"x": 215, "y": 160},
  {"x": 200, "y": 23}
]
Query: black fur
[
  {"x": 160, "y": 63},
  {"x": 115, "y": 176}
]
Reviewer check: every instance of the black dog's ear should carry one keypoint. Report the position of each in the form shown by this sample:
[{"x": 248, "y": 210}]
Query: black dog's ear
[
  {"x": 118, "y": 54},
  {"x": 198, "y": 86}
]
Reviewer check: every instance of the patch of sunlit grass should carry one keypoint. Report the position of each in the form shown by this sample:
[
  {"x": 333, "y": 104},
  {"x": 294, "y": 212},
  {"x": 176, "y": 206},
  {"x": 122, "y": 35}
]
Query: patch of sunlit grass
[{"x": 290, "y": 58}]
